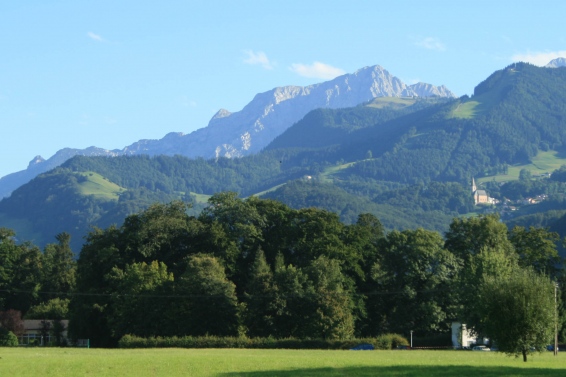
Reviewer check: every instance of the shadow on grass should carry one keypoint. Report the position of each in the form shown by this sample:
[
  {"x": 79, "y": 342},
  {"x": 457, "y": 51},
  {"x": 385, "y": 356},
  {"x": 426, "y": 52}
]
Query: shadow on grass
[{"x": 394, "y": 371}]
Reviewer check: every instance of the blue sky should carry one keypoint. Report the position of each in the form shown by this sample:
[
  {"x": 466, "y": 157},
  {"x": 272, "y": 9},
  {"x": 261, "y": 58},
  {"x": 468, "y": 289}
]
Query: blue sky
[{"x": 108, "y": 73}]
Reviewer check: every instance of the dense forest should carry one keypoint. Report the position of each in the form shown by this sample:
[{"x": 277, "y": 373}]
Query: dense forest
[{"x": 258, "y": 268}]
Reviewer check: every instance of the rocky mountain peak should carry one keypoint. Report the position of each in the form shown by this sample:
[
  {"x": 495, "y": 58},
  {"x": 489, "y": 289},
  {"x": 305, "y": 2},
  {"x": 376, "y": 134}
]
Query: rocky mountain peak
[
  {"x": 36, "y": 160},
  {"x": 222, "y": 113},
  {"x": 555, "y": 63},
  {"x": 251, "y": 129}
]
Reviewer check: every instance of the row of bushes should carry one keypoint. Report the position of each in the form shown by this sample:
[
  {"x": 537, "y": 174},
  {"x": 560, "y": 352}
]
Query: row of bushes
[{"x": 384, "y": 342}]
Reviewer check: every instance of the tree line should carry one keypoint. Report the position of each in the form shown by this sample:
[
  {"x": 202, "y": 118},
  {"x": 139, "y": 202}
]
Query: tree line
[{"x": 258, "y": 268}]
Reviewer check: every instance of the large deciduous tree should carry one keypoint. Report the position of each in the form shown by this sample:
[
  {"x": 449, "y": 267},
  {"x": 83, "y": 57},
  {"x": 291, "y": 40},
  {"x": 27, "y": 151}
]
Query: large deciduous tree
[
  {"x": 518, "y": 311},
  {"x": 141, "y": 300},
  {"x": 207, "y": 301},
  {"x": 468, "y": 236},
  {"x": 414, "y": 282},
  {"x": 536, "y": 248}
]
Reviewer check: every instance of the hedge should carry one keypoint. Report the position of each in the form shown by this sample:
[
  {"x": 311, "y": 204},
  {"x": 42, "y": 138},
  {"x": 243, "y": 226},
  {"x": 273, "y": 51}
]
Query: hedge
[{"x": 387, "y": 341}]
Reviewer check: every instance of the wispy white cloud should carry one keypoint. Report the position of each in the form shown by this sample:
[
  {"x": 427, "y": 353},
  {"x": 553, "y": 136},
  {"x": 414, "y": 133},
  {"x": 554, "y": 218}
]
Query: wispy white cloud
[
  {"x": 430, "y": 43},
  {"x": 95, "y": 37},
  {"x": 187, "y": 102},
  {"x": 317, "y": 70},
  {"x": 258, "y": 58},
  {"x": 538, "y": 58}
]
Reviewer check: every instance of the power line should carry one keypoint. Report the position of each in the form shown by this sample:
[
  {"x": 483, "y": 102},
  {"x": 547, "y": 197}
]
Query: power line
[{"x": 153, "y": 295}]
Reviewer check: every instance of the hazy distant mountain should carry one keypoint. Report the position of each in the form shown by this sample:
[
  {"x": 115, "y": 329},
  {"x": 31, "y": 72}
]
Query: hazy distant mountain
[
  {"x": 558, "y": 62},
  {"x": 248, "y": 131}
]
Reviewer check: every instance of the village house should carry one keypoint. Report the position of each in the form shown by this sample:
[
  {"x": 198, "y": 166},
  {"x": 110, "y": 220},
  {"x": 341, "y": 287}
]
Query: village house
[{"x": 39, "y": 331}]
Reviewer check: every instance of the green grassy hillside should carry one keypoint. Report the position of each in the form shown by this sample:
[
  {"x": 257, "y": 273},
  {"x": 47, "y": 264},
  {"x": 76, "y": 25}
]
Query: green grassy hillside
[
  {"x": 479, "y": 104},
  {"x": 542, "y": 163},
  {"x": 99, "y": 187}
]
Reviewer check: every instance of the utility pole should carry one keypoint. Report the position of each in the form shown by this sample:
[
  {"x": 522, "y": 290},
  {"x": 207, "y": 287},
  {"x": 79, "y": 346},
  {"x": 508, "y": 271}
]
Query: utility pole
[
  {"x": 411, "y": 338},
  {"x": 555, "y": 319}
]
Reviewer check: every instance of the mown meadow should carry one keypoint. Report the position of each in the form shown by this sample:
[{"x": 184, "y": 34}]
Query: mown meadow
[{"x": 239, "y": 362}]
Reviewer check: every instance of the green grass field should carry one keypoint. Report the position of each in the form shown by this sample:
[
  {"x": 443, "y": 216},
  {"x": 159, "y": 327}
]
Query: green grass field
[
  {"x": 262, "y": 363},
  {"x": 466, "y": 110},
  {"x": 200, "y": 198},
  {"x": 325, "y": 176},
  {"x": 544, "y": 162}
]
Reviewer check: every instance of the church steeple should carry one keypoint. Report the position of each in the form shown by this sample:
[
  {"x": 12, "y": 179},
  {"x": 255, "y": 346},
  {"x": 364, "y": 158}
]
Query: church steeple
[{"x": 474, "y": 188}]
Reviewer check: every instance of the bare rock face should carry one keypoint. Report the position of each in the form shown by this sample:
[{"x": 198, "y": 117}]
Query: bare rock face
[
  {"x": 270, "y": 113},
  {"x": 36, "y": 160},
  {"x": 556, "y": 63},
  {"x": 249, "y": 130}
]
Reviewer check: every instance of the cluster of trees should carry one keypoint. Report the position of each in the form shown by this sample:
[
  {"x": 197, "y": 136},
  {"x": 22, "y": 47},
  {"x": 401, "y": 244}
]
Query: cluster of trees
[
  {"x": 34, "y": 283},
  {"x": 30, "y": 276},
  {"x": 399, "y": 207},
  {"x": 259, "y": 268}
]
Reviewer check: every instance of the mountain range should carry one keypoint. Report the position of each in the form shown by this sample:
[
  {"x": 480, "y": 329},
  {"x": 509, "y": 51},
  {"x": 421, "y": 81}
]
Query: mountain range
[
  {"x": 251, "y": 129},
  {"x": 407, "y": 160}
]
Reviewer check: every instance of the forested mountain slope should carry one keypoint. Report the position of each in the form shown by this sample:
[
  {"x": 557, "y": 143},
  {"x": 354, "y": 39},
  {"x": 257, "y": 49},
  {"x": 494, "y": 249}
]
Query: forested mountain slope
[
  {"x": 408, "y": 162},
  {"x": 244, "y": 132}
]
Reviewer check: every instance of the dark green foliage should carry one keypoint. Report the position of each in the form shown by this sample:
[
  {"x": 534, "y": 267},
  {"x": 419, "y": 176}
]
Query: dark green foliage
[
  {"x": 58, "y": 267},
  {"x": 328, "y": 127},
  {"x": 537, "y": 248},
  {"x": 469, "y": 236},
  {"x": 400, "y": 213},
  {"x": 436, "y": 196},
  {"x": 19, "y": 273},
  {"x": 261, "y": 307},
  {"x": 135, "y": 306},
  {"x": 559, "y": 175},
  {"x": 210, "y": 306},
  {"x": 57, "y": 330},
  {"x": 423, "y": 287},
  {"x": 385, "y": 342},
  {"x": 443, "y": 340},
  {"x": 258, "y": 268},
  {"x": 309, "y": 293},
  {"x": 7, "y": 338},
  {"x": 518, "y": 311},
  {"x": 56, "y": 308}
]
